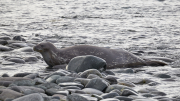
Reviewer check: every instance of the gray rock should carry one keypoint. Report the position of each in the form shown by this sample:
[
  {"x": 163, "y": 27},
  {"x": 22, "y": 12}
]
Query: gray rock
[
  {"x": 109, "y": 95},
  {"x": 31, "y": 59},
  {"x": 71, "y": 84},
  {"x": 53, "y": 91},
  {"x": 110, "y": 99},
  {"x": 128, "y": 92},
  {"x": 118, "y": 87},
  {"x": 32, "y": 76},
  {"x": 25, "y": 49},
  {"x": 92, "y": 91},
  {"x": 76, "y": 97},
  {"x": 82, "y": 63},
  {"x": 5, "y": 38},
  {"x": 91, "y": 76},
  {"x": 21, "y": 74},
  {"x": 83, "y": 81},
  {"x": 123, "y": 98},
  {"x": 97, "y": 83},
  {"x": 60, "y": 73},
  {"x": 63, "y": 79},
  {"x": 86, "y": 73},
  {"x": 3, "y": 42},
  {"x": 53, "y": 78},
  {"x": 48, "y": 86},
  {"x": 5, "y": 48},
  {"x": 18, "y": 38},
  {"x": 8, "y": 93},
  {"x": 30, "y": 97},
  {"x": 16, "y": 60},
  {"x": 163, "y": 75},
  {"x": 129, "y": 70}
]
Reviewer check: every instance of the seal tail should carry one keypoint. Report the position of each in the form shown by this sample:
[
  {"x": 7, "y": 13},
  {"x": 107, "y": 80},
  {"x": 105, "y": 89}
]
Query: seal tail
[{"x": 155, "y": 63}]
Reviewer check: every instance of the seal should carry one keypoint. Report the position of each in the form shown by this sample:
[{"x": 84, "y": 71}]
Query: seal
[{"x": 115, "y": 58}]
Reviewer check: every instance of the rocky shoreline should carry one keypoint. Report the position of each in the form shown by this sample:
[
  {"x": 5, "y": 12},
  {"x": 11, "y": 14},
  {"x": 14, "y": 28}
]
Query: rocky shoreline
[{"x": 65, "y": 85}]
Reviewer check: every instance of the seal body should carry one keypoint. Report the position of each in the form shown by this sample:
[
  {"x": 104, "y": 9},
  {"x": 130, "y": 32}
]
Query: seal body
[{"x": 114, "y": 58}]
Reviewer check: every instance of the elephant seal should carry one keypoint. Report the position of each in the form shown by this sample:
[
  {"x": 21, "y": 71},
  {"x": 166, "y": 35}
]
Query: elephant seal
[{"x": 114, "y": 58}]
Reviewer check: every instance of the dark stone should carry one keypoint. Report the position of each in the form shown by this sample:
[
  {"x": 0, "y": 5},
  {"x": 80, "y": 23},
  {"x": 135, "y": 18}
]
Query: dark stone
[
  {"x": 63, "y": 79},
  {"x": 32, "y": 76},
  {"x": 91, "y": 76},
  {"x": 111, "y": 79},
  {"x": 48, "y": 86},
  {"x": 163, "y": 75},
  {"x": 97, "y": 83},
  {"x": 109, "y": 95},
  {"x": 21, "y": 74},
  {"x": 86, "y": 73},
  {"x": 118, "y": 87},
  {"x": 83, "y": 81},
  {"x": 128, "y": 92},
  {"x": 82, "y": 63},
  {"x": 53, "y": 91},
  {"x": 3, "y": 42},
  {"x": 26, "y": 49},
  {"x": 30, "y": 97},
  {"x": 5, "y": 75},
  {"x": 16, "y": 60},
  {"x": 8, "y": 93},
  {"x": 123, "y": 98},
  {"x": 53, "y": 78},
  {"x": 5, "y": 38},
  {"x": 108, "y": 72},
  {"x": 18, "y": 38},
  {"x": 78, "y": 97},
  {"x": 5, "y": 48}
]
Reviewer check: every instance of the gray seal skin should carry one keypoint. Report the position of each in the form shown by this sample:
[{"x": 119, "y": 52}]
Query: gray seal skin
[{"x": 114, "y": 58}]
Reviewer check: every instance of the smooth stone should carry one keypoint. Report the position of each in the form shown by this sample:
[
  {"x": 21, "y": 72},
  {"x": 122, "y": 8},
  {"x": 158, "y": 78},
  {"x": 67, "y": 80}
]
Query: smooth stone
[
  {"x": 80, "y": 92},
  {"x": 53, "y": 78},
  {"x": 63, "y": 79},
  {"x": 18, "y": 45},
  {"x": 7, "y": 63},
  {"x": 129, "y": 70},
  {"x": 18, "y": 38},
  {"x": 16, "y": 60},
  {"x": 111, "y": 79},
  {"x": 21, "y": 74},
  {"x": 110, "y": 99},
  {"x": 141, "y": 80},
  {"x": 91, "y": 76},
  {"x": 60, "y": 73},
  {"x": 5, "y": 75},
  {"x": 25, "y": 49},
  {"x": 82, "y": 63},
  {"x": 109, "y": 95},
  {"x": 60, "y": 66},
  {"x": 97, "y": 96},
  {"x": 163, "y": 75},
  {"x": 146, "y": 99},
  {"x": 32, "y": 76},
  {"x": 108, "y": 72},
  {"x": 48, "y": 86},
  {"x": 75, "y": 75},
  {"x": 61, "y": 97},
  {"x": 40, "y": 81},
  {"x": 127, "y": 92},
  {"x": 19, "y": 81},
  {"x": 30, "y": 97},
  {"x": 147, "y": 90},
  {"x": 8, "y": 93},
  {"x": 147, "y": 95},
  {"x": 123, "y": 98},
  {"x": 53, "y": 91},
  {"x": 3, "y": 42},
  {"x": 71, "y": 84},
  {"x": 97, "y": 83},
  {"x": 86, "y": 73},
  {"x": 5, "y": 48},
  {"x": 126, "y": 83},
  {"x": 27, "y": 89},
  {"x": 83, "y": 81},
  {"x": 116, "y": 91},
  {"x": 118, "y": 87},
  {"x": 92, "y": 91},
  {"x": 5, "y": 38},
  {"x": 71, "y": 87},
  {"x": 78, "y": 97}
]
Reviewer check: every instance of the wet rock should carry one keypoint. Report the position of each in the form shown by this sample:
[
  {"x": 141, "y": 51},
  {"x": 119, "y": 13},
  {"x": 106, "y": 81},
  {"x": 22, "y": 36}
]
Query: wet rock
[
  {"x": 75, "y": 75},
  {"x": 153, "y": 91},
  {"x": 53, "y": 91},
  {"x": 109, "y": 95},
  {"x": 60, "y": 97},
  {"x": 110, "y": 99},
  {"x": 60, "y": 66},
  {"x": 78, "y": 97},
  {"x": 71, "y": 84},
  {"x": 118, "y": 87},
  {"x": 25, "y": 49},
  {"x": 123, "y": 98},
  {"x": 126, "y": 83},
  {"x": 27, "y": 89},
  {"x": 65, "y": 79},
  {"x": 91, "y": 76},
  {"x": 163, "y": 75},
  {"x": 18, "y": 38},
  {"x": 108, "y": 72},
  {"x": 3, "y": 42},
  {"x": 72, "y": 87},
  {"x": 21, "y": 74},
  {"x": 16, "y": 60},
  {"x": 147, "y": 95},
  {"x": 30, "y": 97},
  {"x": 39, "y": 81},
  {"x": 86, "y": 73},
  {"x": 92, "y": 91},
  {"x": 32, "y": 76},
  {"x": 127, "y": 92},
  {"x": 53, "y": 78},
  {"x": 80, "y": 91},
  {"x": 7, "y": 63},
  {"x": 140, "y": 80},
  {"x": 18, "y": 45},
  {"x": 48, "y": 86},
  {"x": 8, "y": 93},
  {"x": 5, "y": 75},
  {"x": 97, "y": 83},
  {"x": 111, "y": 79},
  {"x": 129, "y": 70},
  {"x": 5, "y": 48},
  {"x": 97, "y": 96},
  {"x": 60, "y": 73},
  {"x": 82, "y": 63},
  {"x": 83, "y": 81},
  {"x": 5, "y": 38}
]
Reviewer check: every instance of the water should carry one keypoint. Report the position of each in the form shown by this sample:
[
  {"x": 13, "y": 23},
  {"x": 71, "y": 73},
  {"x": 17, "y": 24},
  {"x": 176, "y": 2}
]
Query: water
[{"x": 150, "y": 26}]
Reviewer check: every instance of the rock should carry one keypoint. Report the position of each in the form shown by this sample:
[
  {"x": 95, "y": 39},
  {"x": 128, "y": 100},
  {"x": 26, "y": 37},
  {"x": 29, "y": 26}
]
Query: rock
[
  {"x": 27, "y": 89},
  {"x": 91, "y": 76},
  {"x": 30, "y": 97},
  {"x": 16, "y": 60},
  {"x": 7, "y": 63},
  {"x": 5, "y": 48},
  {"x": 129, "y": 70},
  {"x": 82, "y": 63},
  {"x": 163, "y": 75},
  {"x": 111, "y": 79},
  {"x": 63, "y": 79},
  {"x": 5, "y": 38},
  {"x": 108, "y": 72},
  {"x": 21, "y": 74},
  {"x": 53, "y": 78},
  {"x": 60, "y": 73},
  {"x": 83, "y": 81},
  {"x": 97, "y": 83},
  {"x": 5, "y": 75},
  {"x": 48, "y": 86},
  {"x": 125, "y": 83},
  {"x": 8, "y": 93},
  {"x": 53, "y": 91},
  {"x": 109, "y": 95},
  {"x": 127, "y": 92},
  {"x": 25, "y": 49},
  {"x": 72, "y": 87},
  {"x": 3, "y": 42},
  {"x": 78, "y": 97},
  {"x": 140, "y": 80},
  {"x": 92, "y": 91},
  {"x": 123, "y": 98},
  {"x": 110, "y": 99},
  {"x": 71, "y": 84},
  {"x": 118, "y": 87},
  {"x": 18, "y": 45},
  {"x": 18, "y": 38},
  {"x": 32, "y": 76},
  {"x": 86, "y": 73}
]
